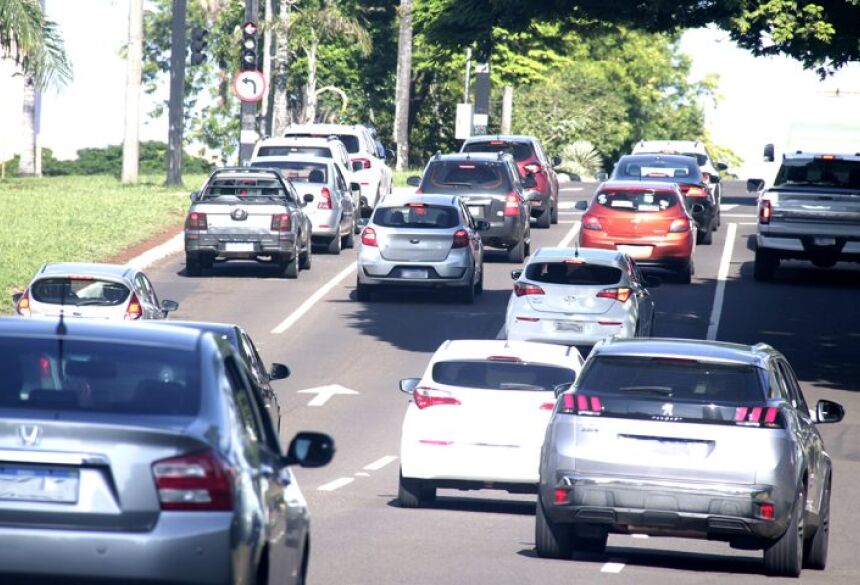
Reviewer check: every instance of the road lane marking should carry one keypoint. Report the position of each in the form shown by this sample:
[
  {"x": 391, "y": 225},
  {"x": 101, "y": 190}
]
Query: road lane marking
[
  {"x": 720, "y": 292},
  {"x": 313, "y": 299},
  {"x": 336, "y": 484},
  {"x": 380, "y": 463},
  {"x": 727, "y": 206},
  {"x": 361, "y": 474},
  {"x": 568, "y": 237},
  {"x": 566, "y": 204},
  {"x": 572, "y": 189},
  {"x": 613, "y": 566},
  {"x": 640, "y": 536},
  {"x": 323, "y": 393},
  {"x": 739, "y": 215},
  {"x": 567, "y": 222}
]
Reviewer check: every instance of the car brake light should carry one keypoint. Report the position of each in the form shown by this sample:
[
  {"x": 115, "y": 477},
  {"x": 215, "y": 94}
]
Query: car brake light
[
  {"x": 696, "y": 192},
  {"x": 756, "y": 416},
  {"x": 426, "y": 397},
  {"x": 532, "y": 168},
  {"x": 766, "y": 511},
  {"x": 580, "y": 404},
  {"x": 23, "y": 306},
  {"x": 193, "y": 482},
  {"x": 196, "y": 221},
  {"x": 620, "y": 294},
  {"x": 368, "y": 237},
  {"x": 325, "y": 203},
  {"x": 512, "y": 205},
  {"x": 365, "y": 163},
  {"x": 134, "y": 311},
  {"x": 281, "y": 223},
  {"x": 764, "y": 211},
  {"x": 561, "y": 495},
  {"x": 512, "y": 359},
  {"x": 524, "y": 289},
  {"x": 497, "y": 142},
  {"x": 679, "y": 226},
  {"x": 589, "y": 222},
  {"x": 461, "y": 239}
]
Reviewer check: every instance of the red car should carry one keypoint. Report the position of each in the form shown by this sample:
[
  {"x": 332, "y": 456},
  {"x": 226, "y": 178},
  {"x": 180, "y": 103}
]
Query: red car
[{"x": 647, "y": 221}]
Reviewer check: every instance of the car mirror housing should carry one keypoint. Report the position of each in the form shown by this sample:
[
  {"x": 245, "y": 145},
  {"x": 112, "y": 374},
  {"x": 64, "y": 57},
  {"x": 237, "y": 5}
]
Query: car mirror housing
[
  {"x": 414, "y": 181},
  {"x": 16, "y": 297},
  {"x": 355, "y": 187},
  {"x": 482, "y": 225},
  {"x": 309, "y": 449},
  {"x": 515, "y": 274},
  {"x": 827, "y": 411},
  {"x": 601, "y": 176},
  {"x": 581, "y": 205},
  {"x": 721, "y": 166},
  {"x": 768, "y": 153},
  {"x": 408, "y": 385},
  {"x": 169, "y": 306},
  {"x": 529, "y": 181},
  {"x": 755, "y": 185},
  {"x": 308, "y": 197},
  {"x": 279, "y": 372},
  {"x": 561, "y": 389},
  {"x": 556, "y": 160},
  {"x": 653, "y": 281},
  {"x": 193, "y": 196}
]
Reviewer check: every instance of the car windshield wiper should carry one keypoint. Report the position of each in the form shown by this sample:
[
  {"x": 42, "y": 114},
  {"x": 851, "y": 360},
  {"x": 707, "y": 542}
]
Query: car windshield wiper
[{"x": 652, "y": 390}]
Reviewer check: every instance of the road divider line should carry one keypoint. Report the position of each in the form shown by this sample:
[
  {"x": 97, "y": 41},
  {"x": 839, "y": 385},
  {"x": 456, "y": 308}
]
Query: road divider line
[
  {"x": 380, "y": 463},
  {"x": 361, "y": 474},
  {"x": 739, "y": 215},
  {"x": 568, "y": 237},
  {"x": 613, "y": 566},
  {"x": 336, "y": 484},
  {"x": 313, "y": 299},
  {"x": 720, "y": 292}
]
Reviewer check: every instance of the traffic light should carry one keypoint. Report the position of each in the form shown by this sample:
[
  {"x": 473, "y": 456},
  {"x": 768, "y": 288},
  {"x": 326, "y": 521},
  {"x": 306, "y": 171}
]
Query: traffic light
[
  {"x": 249, "y": 46},
  {"x": 198, "y": 45}
]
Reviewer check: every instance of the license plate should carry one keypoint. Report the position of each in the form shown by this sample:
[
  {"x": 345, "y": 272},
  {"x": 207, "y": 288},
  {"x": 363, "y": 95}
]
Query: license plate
[
  {"x": 636, "y": 251},
  {"x": 239, "y": 247},
  {"x": 476, "y": 211},
  {"x": 414, "y": 273},
  {"x": 824, "y": 241},
  {"x": 568, "y": 326},
  {"x": 38, "y": 485}
]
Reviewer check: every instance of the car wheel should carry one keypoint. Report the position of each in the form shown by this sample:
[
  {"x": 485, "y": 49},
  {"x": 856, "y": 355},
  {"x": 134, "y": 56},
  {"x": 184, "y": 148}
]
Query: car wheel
[
  {"x": 784, "y": 558},
  {"x": 552, "y": 541},
  {"x": 467, "y": 294},
  {"x": 192, "y": 265},
  {"x": 554, "y": 217},
  {"x": 527, "y": 245},
  {"x": 591, "y": 544},
  {"x": 815, "y": 549},
  {"x": 765, "y": 265},
  {"x": 349, "y": 239},
  {"x": 543, "y": 220},
  {"x": 362, "y": 292},
  {"x": 306, "y": 258},
  {"x": 334, "y": 246},
  {"x": 479, "y": 287},
  {"x": 705, "y": 237},
  {"x": 518, "y": 253},
  {"x": 290, "y": 266},
  {"x": 414, "y": 493},
  {"x": 685, "y": 274}
]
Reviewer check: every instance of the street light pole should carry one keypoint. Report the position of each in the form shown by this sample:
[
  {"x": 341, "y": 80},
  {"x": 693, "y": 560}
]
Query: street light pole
[
  {"x": 248, "y": 135},
  {"x": 176, "y": 107}
]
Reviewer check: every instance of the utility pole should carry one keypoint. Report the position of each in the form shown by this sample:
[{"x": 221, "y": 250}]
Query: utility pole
[
  {"x": 404, "y": 78},
  {"x": 248, "y": 135},
  {"x": 134, "y": 58},
  {"x": 507, "y": 108},
  {"x": 176, "y": 114}
]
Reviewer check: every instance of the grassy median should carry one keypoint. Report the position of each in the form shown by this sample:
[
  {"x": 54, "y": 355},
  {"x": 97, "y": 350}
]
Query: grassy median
[{"x": 83, "y": 218}]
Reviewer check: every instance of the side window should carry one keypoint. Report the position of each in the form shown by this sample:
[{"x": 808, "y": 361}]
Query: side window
[
  {"x": 253, "y": 359},
  {"x": 341, "y": 182},
  {"x": 141, "y": 290},
  {"x": 245, "y": 404},
  {"x": 793, "y": 388},
  {"x": 776, "y": 386},
  {"x": 150, "y": 290}
]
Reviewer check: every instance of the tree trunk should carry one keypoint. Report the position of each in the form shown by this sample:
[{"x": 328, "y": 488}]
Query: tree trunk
[
  {"x": 265, "y": 106},
  {"x": 280, "y": 106},
  {"x": 310, "y": 113},
  {"x": 134, "y": 60},
  {"x": 27, "y": 162},
  {"x": 404, "y": 77},
  {"x": 175, "y": 115}
]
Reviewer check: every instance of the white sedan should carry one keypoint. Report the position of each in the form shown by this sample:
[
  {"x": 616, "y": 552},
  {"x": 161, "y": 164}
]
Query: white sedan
[{"x": 478, "y": 416}]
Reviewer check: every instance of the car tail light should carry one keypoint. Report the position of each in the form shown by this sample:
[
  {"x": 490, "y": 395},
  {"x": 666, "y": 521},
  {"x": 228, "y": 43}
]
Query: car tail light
[
  {"x": 589, "y": 222},
  {"x": 696, "y": 192},
  {"x": 134, "y": 311},
  {"x": 365, "y": 163},
  {"x": 196, "y": 221},
  {"x": 511, "y": 359},
  {"x": 580, "y": 404},
  {"x": 764, "y": 211},
  {"x": 23, "y": 306},
  {"x": 461, "y": 239},
  {"x": 199, "y": 481},
  {"x": 757, "y": 416},
  {"x": 512, "y": 205},
  {"x": 620, "y": 294},
  {"x": 368, "y": 237},
  {"x": 522, "y": 289},
  {"x": 281, "y": 223},
  {"x": 679, "y": 226},
  {"x": 532, "y": 168},
  {"x": 560, "y": 495},
  {"x": 426, "y": 397},
  {"x": 765, "y": 511},
  {"x": 325, "y": 202},
  {"x": 528, "y": 319}
]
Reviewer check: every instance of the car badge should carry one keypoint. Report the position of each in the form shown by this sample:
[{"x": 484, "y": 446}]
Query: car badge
[
  {"x": 668, "y": 409},
  {"x": 570, "y": 299},
  {"x": 239, "y": 214},
  {"x": 29, "y": 435},
  {"x": 415, "y": 241}
]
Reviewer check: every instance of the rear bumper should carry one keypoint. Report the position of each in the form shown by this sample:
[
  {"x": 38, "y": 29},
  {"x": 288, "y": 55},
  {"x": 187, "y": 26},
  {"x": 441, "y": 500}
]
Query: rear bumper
[
  {"x": 465, "y": 465},
  {"x": 504, "y": 234},
  {"x": 218, "y": 245},
  {"x": 546, "y": 329},
  {"x": 187, "y": 548},
  {"x": 672, "y": 251},
  {"x": 455, "y": 270},
  {"x": 808, "y": 247}
]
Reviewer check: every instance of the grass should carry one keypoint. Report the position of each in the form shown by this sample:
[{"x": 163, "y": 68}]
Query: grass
[
  {"x": 400, "y": 177},
  {"x": 86, "y": 219}
]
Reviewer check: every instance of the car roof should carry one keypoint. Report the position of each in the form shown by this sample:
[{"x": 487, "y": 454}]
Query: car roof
[
  {"x": 226, "y": 329},
  {"x": 327, "y": 128},
  {"x": 297, "y": 157},
  {"x": 117, "y": 271},
  {"x": 676, "y": 158},
  {"x": 291, "y": 140},
  {"x": 529, "y": 351},
  {"x": 803, "y": 155},
  {"x": 505, "y": 137},
  {"x": 587, "y": 254},
  {"x": 649, "y": 185},
  {"x": 489, "y": 157},
  {"x": 397, "y": 199},
  {"x": 710, "y": 351},
  {"x": 687, "y": 145}
]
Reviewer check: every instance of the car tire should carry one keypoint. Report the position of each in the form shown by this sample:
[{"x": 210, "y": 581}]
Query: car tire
[
  {"x": 414, "y": 493},
  {"x": 815, "y": 548},
  {"x": 467, "y": 294},
  {"x": 552, "y": 541},
  {"x": 290, "y": 267},
  {"x": 554, "y": 217},
  {"x": 349, "y": 239},
  {"x": 593, "y": 545},
  {"x": 685, "y": 274},
  {"x": 335, "y": 245},
  {"x": 518, "y": 253},
  {"x": 544, "y": 220},
  {"x": 479, "y": 287},
  {"x": 362, "y": 292},
  {"x": 193, "y": 266},
  {"x": 306, "y": 258},
  {"x": 527, "y": 244},
  {"x": 765, "y": 265},
  {"x": 705, "y": 236},
  {"x": 784, "y": 557}
]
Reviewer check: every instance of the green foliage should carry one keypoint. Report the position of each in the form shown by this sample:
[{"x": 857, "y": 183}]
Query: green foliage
[{"x": 33, "y": 41}]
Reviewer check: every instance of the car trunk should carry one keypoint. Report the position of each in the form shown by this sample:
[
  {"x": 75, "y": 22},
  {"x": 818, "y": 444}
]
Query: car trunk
[
  {"x": 635, "y": 225},
  {"x": 571, "y": 299},
  {"x": 230, "y": 219},
  {"x": 814, "y": 206},
  {"x": 414, "y": 245},
  {"x": 488, "y": 206}
]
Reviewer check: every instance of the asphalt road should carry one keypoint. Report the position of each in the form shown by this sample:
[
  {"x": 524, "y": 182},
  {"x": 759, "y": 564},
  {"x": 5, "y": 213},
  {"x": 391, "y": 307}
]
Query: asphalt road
[{"x": 360, "y": 536}]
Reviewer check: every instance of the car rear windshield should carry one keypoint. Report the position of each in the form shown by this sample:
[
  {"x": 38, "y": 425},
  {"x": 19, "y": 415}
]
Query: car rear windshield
[
  {"x": 645, "y": 168},
  {"x": 298, "y": 171},
  {"x": 79, "y": 291},
  {"x": 245, "y": 188},
  {"x": 98, "y": 376},
  {"x": 521, "y": 151},
  {"x": 320, "y": 151},
  {"x": 501, "y": 375},
  {"x": 636, "y": 201},
  {"x": 466, "y": 177},
  {"x": 417, "y": 216},
  {"x": 671, "y": 379},
  {"x": 571, "y": 273},
  {"x": 351, "y": 141},
  {"x": 839, "y": 173}
]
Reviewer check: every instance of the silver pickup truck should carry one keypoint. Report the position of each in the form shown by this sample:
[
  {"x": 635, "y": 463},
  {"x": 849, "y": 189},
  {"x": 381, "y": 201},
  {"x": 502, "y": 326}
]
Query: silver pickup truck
[{"x": 812, "y": 212}]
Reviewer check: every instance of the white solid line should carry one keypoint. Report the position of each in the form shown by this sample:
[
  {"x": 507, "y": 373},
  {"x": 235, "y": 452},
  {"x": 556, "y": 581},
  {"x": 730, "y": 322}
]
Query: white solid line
[
  {"x": 719, "y": 293},
  {"x": 313, "y": 299},
  {"x": 613, "y": 566},
  {"x": 640, "y": 536},
  {"x": 727, "y": 206},
  {"x": 338, "y": 483},
  {"x": 568, "y": 237},
  {"x": 568, "y": 222},
  {"x": 172, "y": 246},
  {"x": 571, "y": 188},
  {"x": 570, "y": 213},
  {"x": 380, "y": 463},
  {"x": 361, "y": 474}
]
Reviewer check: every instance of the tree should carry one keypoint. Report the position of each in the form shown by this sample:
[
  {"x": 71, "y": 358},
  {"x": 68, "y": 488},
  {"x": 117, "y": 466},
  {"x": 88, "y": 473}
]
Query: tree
[
  {"x": 134, "y": 57},
  {"x": 280, "y": 107},
  {"x": 404, "y": 81}
]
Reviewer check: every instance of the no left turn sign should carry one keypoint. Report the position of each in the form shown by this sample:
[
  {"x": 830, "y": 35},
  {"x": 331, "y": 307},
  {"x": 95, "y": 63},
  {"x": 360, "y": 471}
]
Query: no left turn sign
[{"x": 249, "y": 86}]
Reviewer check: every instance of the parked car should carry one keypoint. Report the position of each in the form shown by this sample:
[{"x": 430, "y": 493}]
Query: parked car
[
  {"x": 141, "y": 454},
  {"x": 478, "y": 416},
  {"x": 91, "y": 291},
  {"x": 693, "y": 439},
  {"x": 490, "y": 186},
  {"x": 694, "y": 148},
  {"x": 531, "y": 161},
  {"x": 428, "y": 241},
  {"x": 579, "y": 296},
  {"x": 684, "y": 171},
  {"x": 248, "y": 214},
  {"x": 647, "y": 221},
  {"x": 812, "y": 212}
]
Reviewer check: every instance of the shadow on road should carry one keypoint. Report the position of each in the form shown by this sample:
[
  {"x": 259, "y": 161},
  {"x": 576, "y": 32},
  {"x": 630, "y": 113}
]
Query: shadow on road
[{"x": 483, "y": 506}]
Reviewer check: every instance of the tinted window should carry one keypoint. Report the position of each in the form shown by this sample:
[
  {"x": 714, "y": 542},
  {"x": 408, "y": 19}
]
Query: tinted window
[
  {"x": 79, "y": 291},
  {"x": 630, "y": 200},
  {"x": 501, "y": 375},
  {"x": 244, "y": 188},
  {"x": 681, "y": 169},
  {"x": 670, "y": 379},
  {"x": 352, "y": 143},
  {"x": 417, "y": 216},
  {"x": 459, "y": 177},
  {"x": 298, "y": 171},
  {"x": 569, "y": 273},
  {"x": 843, "y": 174},
  {"x": 520, "y": 150},
  {"x": 320, "y": 151},
  {"x": 91, "y": 376}
]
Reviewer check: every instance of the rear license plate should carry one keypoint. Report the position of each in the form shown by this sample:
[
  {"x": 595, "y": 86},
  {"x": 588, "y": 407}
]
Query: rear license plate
[
  {"x": 568, "y": 326},
  {"x": 414, "y": 273},
  {"x": 476, "y": 211},
  {"x": 824, "y": 241},
  {"x": 636, "y": 251},
  {"x": 38, "y": 485},
  {"x": 239, "y": 247}
]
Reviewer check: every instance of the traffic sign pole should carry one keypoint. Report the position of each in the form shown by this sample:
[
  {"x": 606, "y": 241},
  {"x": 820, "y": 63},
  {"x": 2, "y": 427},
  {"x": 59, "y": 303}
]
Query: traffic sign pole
[{"x": 248, "y": 121}]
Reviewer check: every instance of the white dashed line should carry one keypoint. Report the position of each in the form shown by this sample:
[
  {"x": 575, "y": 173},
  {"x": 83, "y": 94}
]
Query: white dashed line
[
  {"x": 361, "y": 474},
  {"x": 313, "y": 299},
  {"x": 640, "y": 536},
  {"x": 336, "y": 484},
  {"x": 739, "y": 215},
  {"x": 613, "y": 566},
  {"x": 720, "y": 292},
  {"x": 727, "y": 206},
  {"x": 380, "y": 463}
]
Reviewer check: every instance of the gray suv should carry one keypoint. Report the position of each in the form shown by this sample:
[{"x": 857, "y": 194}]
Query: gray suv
[{"x": 689, "y": 439}]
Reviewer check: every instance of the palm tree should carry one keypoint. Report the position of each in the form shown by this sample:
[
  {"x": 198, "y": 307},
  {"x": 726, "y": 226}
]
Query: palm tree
[
  {"x": 404, "y": 79},
  {"x": 33, "y": 42}
]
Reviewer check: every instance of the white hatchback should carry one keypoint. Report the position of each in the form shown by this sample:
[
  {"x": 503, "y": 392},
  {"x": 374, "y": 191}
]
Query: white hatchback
[{"x": 478, "y": 416}]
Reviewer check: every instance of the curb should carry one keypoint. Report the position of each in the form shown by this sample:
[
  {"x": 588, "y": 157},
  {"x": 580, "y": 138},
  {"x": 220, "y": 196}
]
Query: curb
[{"x": 172, "y": 246}]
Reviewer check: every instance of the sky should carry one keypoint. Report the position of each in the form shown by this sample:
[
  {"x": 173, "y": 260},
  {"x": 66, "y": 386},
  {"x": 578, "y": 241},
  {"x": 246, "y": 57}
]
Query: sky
[{"x": 760, "y": 97}]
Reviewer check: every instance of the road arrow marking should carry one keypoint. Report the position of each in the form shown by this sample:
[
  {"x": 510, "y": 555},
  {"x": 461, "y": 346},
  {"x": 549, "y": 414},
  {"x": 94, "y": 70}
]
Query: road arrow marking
[{"x": 323, "y": 393}]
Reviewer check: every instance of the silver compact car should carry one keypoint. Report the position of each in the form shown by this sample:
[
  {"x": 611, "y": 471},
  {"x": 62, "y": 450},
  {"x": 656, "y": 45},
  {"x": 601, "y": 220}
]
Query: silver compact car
[
  {"x": 689, "y": 439},
  {"x": 428, "y": 241},
  {"x": 91, "y": 291},
  {"x": 142, "y": 454}
]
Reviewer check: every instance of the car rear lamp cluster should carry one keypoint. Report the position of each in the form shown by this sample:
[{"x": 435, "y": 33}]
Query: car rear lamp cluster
[
  {"x": 368, "y": 237},
  {"x": 620, "y": 294},
  {"x": 365, "y": 163},
  {"x": 282, "y": 223},
  {"x": 133, "y": 311},
  {"x": 522, "y": 289},
  {"x": 196, "y": 482},
  {"x": 679, "y": 226},
  {"x": 765, "y": 211},
  {"x": 325, "y": 199},
  {"x": 23, "y": 306},
  {"x": 196, "y": 221},
  {"x": 512, "y": 205},
  {"x": 696, "y": 192},
  {"x": 532, "y": 168},
  {"x": 425, "y": 397},
  {"x": 589, "y": 222},
  {"x": 461, "y": 239},
  {"x": 759, "y": 416},
  {"x": 580, "y": 404}
]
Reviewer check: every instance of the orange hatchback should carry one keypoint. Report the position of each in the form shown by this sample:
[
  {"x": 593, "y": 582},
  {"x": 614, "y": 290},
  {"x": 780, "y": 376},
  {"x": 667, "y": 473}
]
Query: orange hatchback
[{"x": 647, "y": 221}]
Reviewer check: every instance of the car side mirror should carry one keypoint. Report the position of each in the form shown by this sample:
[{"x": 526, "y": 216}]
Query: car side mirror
[
  {"x": 515, "y": 274},
  {"x": 529, "y": 181},
  {"x": 279, "y": 372},
  {"x": 531, "y": 195},
  {"x": 768, "y": 153},
  {"x": 482, "y": 225},
  {"x": 755, "y": 185},
  {"x": 601, "y": 176},
  {"x": 714, "y": 179},
  {"x": 408, "y": 385},
  {"x": 355, "y": 187},
  {"x": 309, "y": 449},
  {"x": 362, "y": 223},
  {"x": 193, "y": 196},
  {"x": 827, "y": 411},
  {"x": 413, "y": 181},
  {"x": 697, "y": 208},
  {"x": 16, "y": 297},
  {"x": 389, "y": 154},
  {"x": 169, "y": 306},
  {"x": 556, "y": 160},
  {"x": 653, "y": 281},
  {"x": 721, "y": 166},
  {"x": 357, "y": 165},
  {"x": 581, "y": 205},
  {"x": 308, "y": 197}
]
